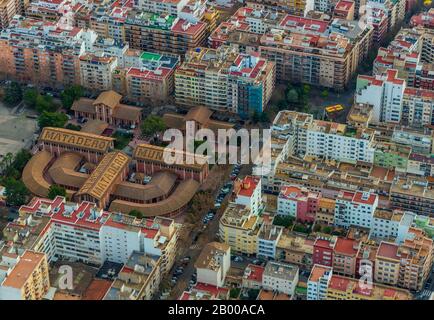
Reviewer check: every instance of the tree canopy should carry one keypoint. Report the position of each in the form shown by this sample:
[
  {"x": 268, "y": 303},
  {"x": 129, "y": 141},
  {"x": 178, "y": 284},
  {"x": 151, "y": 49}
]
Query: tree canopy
[
  {"x": 152, "y": 125},
  {"x": 52, "y": 119},
  {"x": 16, "y": 192},
  {"x": 136, "y": 213},
  {"x": 13, "y": 94},
  {"x": 55, "y": 191},
  {"x": 71, "y": 94}
]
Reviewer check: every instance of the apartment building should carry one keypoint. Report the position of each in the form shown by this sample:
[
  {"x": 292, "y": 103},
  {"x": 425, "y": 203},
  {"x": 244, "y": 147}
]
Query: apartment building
[
  {"x": 213, "y": 264},
  {"x": 163, "y": 32},
  {"x": 295, "y": 249},
  {"x": 345, "y": 256},
  {"x": 417, "y": 107},
  {"x": 298, "y": 203},
  {"x": 268, "y": 238},
  {"x": 239, "y": 228},
  {"x": 318, "y": 282},
  {"x": 83, "y": 232},
  {"x": 330, "y": 64},
  {"x": 248, "y": 192},
  {"x": 280, "y": 277},
  {"x": 385, "y": 93},
  {"x": 8, "y": 8},
  {"x": 330, "y": 51},
  {"x": 324, "y": 285},
  {"x": 296, "y": 7},
  {"x": 252, "y": 277},
  {"x": 411, "y": 54},
  {"x": 414, "y": 195},
  {"x": 421, "y": 141},
  {"x": 421, "y": 165},
  {"x": 391, "y": 224},
  {"x": 225, "y": 80},
  {"x": 23, "y": 276},
  {"x": 391, "y": 155},
  {"x": 407, "y": 265},
  {"x": 139, "y": 278},
  {"x": 96, "y": 71},
  {"x": 328, "y": 140},
  {"x": 355, "y": 209},
  {"x": 41, "y": 53},
  {"x": 331, "y": 140},
  {"x": 153, "y": 79},
  {"x": 323, "y": 250}
]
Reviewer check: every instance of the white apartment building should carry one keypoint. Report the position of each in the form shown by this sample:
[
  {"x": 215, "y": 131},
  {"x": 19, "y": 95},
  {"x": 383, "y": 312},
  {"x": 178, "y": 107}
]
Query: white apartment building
[
  {"x": 280, "y": 277},
  {"x": 318, "y": 282},
  {"x": 355, "y": 209},
  {"x": 336, "y": 141},
  {"x": 385, "y": 93},
  {"x": 167, "y": 7},
  {"x": 213, "y": 264},
  {"x": 248, "y": 193},
  {"x": 388, "y": 224},
  {"x": 268, "y": 237},
  {"x": 82, "y": 232}
]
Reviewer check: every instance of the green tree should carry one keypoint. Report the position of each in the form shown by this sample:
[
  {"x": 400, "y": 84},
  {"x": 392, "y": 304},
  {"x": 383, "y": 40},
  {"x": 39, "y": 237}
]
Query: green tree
[
  {"x": 306, "y": 89},
  {"x": 292, "y": 96},
  {"x": 153, "y": 124},
  {"x": 301, "y": 228},
  {"x": 325, "y": 94},
  {"x": 30, "y": 96},
  {"x": 21, "y": 158},
  {"x": 72, "y": 126},
  {"x": 55, "y": 191},
  {"x": 45, "y": 103},
  {"x": 327, "y": 230},
  {"x": 136, "y": 213},
  {"x": 52, "y": 119},
  {"x": 13, "y": 94},
  {"x": 71, "y": 94},
  {"x": 16, "y": 192},
  {"x": 234, "y": 293},
  {"x": 284, "y": 221}
]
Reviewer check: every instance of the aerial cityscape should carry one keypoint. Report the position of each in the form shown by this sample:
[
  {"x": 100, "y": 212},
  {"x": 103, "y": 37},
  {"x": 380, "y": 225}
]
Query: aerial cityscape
[{"x": 224, "y": 150}]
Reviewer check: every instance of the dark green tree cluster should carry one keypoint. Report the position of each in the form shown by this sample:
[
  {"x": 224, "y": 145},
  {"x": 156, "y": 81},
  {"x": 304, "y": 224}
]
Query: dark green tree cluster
[
  {"x": 284, "y": 221},
  {"x": 35, "y": 100},
  {"x": 52, "y": 119},
  {"x": 13, "y": 94},
  {"x": 71, "y": 94},
  {"x": 136, "y": 213},
  {"x": 260, "y": 117},
  {"x": 11, "y": 168},
  {"x": 297, "y": 97},
  {"x": 55, "y": 191},
  {"x": 152, "y": 125}
]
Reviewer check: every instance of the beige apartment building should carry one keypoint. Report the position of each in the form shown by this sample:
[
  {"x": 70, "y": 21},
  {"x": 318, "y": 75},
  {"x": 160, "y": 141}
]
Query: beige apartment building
[
  {"x": 28, "y": 279},
  {"x": 407, "y": 265}
]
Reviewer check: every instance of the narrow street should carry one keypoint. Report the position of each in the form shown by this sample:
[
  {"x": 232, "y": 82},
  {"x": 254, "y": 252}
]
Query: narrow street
[{"x": 200, "y": 236}]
